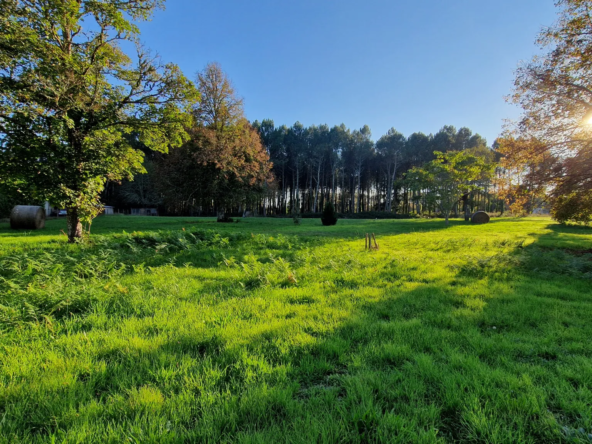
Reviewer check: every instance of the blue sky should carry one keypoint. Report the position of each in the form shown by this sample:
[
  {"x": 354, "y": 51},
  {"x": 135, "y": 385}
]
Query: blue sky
[{"x": 415, "y": 65}]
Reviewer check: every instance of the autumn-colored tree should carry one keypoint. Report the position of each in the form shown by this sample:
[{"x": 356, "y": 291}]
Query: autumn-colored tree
[
  {"x": 526, "y": 169},
  {"x": 224, "y": 160},
  {"x": 553, "y": 139}
]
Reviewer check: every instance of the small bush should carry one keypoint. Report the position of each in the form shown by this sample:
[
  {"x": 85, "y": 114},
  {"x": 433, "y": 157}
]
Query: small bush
[
  {"x": 296, "y": 216},
  {"x": 225, "y": 219},
  {"x": 329, "y": 216},
  {"x": 575, "y": 207}
]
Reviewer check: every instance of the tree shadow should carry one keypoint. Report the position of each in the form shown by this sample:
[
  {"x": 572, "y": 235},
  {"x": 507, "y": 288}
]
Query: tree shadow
[
  {"x": 348, "y": 228},
  {"x": 497, "y": 352}
]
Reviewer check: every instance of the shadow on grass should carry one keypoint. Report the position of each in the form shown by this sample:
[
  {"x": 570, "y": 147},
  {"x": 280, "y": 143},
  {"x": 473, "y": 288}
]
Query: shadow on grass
[
  {"x": 107, "y": 226},
  {"x": 497, "y": 353}
]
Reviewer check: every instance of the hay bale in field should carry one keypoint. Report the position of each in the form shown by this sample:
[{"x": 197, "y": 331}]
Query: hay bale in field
[
  {"x": 480, "y": 217},
  {"x": 27, "y": 217}
]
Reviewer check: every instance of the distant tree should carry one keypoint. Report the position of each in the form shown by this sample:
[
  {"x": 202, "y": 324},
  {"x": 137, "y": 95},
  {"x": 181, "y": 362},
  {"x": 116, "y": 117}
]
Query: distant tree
[
  {"x": 296, "y": 148},
  {"x": 141, "y": 191},
  {"x": 224, "y": 158},
  {"x": 390, "y": 148},
  {"x": 359, "y": 149},
  {"x": 418, "y": 150},
  {"x": 220, "y": 107},
  {"x": 224, "y": 140},
  {"x": 448, "y": 177},
  {"x": 339, "y": 139},
  {"x": 269, "y": 139},
  {"x": 69, "y": 95},
  {"x": 179, "y": 180},
  {"x": 462, "y": 139},
  {"x": 318, "y": 153},
  {"x": 555, "y": 93},
  {"x": 446, "y": 139},
  {"x": 279, "y": 155}
]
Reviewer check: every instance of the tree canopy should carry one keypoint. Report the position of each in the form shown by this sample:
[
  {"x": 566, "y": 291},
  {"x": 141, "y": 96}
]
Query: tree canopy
[
  {"x": 69, "y": 95},
  {"x": 448, "y": 177},
  {"x": 552, "y": 142},
  {"x": 223, "y": 161},
  {"x": 317, "y": 164}
]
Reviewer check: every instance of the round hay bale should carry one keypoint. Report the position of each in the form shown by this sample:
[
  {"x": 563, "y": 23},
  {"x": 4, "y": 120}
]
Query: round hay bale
[
  {"x": 480, "y": 217},
  {"x": 27, "y": 217}
]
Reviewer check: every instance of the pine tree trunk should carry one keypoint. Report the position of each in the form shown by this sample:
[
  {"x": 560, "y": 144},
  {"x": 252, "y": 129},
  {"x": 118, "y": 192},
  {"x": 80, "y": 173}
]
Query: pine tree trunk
[
  {"x": 358, "y": 201},
  {"x": 74, "y": 225},
  {"x": 283, "y": 205},
  {"x": 316, "y": 196},
  {"x": 297, "y": 188},
  {"x": 343, "y": 192},
  {"x": 334, "y": 197},
  {"x": 389, "y": 190},
  {"x": 352, "y": 188}
]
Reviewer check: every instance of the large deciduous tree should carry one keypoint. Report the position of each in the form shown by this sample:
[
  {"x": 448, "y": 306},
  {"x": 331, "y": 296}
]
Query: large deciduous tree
[
  {"x": 447, "y": 178},
  {"x": 555, "y": 93},
  {"x": 224, "y": 160},
  {"x": 69, "y": 95}
]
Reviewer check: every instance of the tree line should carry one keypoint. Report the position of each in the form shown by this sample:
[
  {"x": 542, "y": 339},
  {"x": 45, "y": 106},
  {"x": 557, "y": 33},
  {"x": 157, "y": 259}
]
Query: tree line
[
  {"x": 318, "y": 164},
  {"x": 83, "y": 123},
  {"x": 302, "y": 169}
]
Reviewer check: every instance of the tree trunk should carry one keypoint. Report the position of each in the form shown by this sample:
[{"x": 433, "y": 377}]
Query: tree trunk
[
  {"x": 342, "y": 192},
  {"x": 352, "y": 188},
  {"x": 283, "y": 205},
  {"x": 389, "y": 189},
  {"x": 221, "y": 214},
  {"x": 359, "y": 206},
  {"x": 466, "y": 210},
  {"x": 297, "y": 188},
  {"x": 334, "y": 197},
  {"x": 74, "y": 225},
  {"x": 316, "y": 197}
]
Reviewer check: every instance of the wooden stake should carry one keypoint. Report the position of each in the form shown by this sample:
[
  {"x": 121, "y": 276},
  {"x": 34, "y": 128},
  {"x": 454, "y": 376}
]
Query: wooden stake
[
  {"x": 366, "y": 242},
  {"x": 375, "y": 243}
]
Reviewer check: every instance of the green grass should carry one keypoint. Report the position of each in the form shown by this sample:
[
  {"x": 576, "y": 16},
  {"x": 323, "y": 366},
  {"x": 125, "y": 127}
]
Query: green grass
[{"x": 185, "y": 330}]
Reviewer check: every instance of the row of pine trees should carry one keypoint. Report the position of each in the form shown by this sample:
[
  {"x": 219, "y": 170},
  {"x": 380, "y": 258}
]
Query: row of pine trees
[{"x": 318, "y": 164}]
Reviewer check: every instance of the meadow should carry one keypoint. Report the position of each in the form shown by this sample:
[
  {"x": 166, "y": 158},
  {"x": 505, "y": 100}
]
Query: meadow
[{"x": 183, "y": 330}]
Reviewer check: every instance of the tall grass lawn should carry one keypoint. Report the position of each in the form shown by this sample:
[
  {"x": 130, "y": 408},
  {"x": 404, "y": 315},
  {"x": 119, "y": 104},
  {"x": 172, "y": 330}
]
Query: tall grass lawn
[{"x": 184, "y": 330}]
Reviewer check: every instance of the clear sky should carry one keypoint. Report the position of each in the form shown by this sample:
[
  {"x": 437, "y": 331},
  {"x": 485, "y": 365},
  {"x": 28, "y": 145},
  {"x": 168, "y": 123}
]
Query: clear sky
[{"x": 415, "y": 65}]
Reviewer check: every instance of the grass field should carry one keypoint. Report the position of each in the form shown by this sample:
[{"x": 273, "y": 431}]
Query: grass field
[{"x": 185, "y": 330}]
